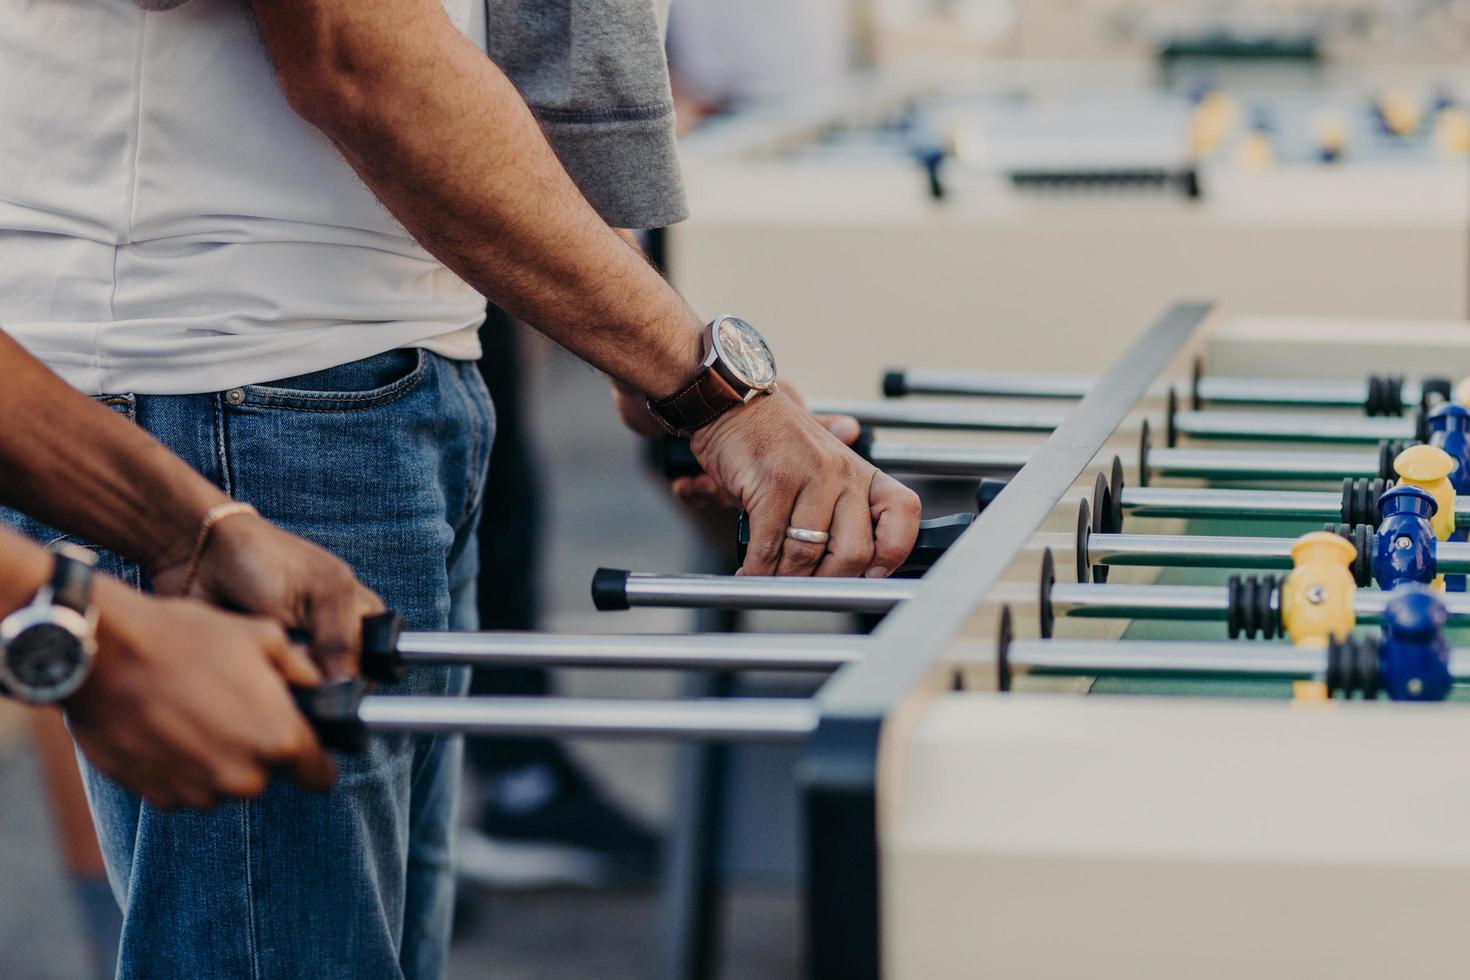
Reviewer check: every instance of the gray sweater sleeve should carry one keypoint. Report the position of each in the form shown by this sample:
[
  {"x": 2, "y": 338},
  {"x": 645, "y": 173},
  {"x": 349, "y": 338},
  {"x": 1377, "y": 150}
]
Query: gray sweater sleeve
[{"x": 595, "y": 74}]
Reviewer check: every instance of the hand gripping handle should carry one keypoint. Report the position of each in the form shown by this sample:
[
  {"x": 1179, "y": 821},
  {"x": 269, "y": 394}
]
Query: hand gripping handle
[
  {"x": 675, "y": 459},
  {"x": 935, "y": 537},
  {"x": 379, "y": 660},
  {"x": 332, "y": 711}
]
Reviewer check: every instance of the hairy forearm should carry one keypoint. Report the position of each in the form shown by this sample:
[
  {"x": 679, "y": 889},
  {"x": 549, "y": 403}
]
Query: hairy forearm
[
  {"x": 443, "y": 139},
  {"x": 78, "y": 466}
]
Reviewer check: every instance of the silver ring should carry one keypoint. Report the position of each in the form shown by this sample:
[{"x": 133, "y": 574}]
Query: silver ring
[{"x": 808, "y": 536}]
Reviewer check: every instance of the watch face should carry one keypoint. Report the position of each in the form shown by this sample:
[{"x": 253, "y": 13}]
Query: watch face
[
  {"x": 45, "y": 660},
  {"x": 744, "y": 351}
]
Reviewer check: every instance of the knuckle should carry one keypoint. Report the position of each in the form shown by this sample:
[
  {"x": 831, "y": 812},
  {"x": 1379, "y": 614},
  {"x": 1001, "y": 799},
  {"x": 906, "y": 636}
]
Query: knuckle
[
  {"x": 853, "y": 552},
  {"x": 764, "y": 551},
  {"x": 804, "y": 553},
  {"x": 892, "y": 552},
  {"x": 784, "y": 485}
]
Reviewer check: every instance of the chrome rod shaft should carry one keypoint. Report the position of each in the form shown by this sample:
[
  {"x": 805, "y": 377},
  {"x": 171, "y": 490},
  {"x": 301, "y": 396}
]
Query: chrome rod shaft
[
  {"x": 1203, "y": 551},
  {"x": 1230, "y": 464},
  {"x": 988, "y": 384},
  {"x": 958, "y": 417},
  {"x": 768, "y": 592},
  {"x": 1113, "y": 658},
  {"x": 1285, "y": 392},
  {"x": 1183, "y": 602},
  {"x": 1278, "y": 427},
  {"x": 939, "y": 459},
  {"x": 1194, "y": 602},
  {"x": 1183, "y": 550},
  {"x": 1295, "y": 392},
  {"x": 714, "y": 651},
  {"x": 1097, "y": 658},
  {"x": 1452, "y": 557},
  {"x": 723, "y": 720},
  {"x": 1187, "y": 502}
]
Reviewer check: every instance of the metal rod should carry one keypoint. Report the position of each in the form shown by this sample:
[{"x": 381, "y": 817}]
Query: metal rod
[
  {"x": 1160, "y": 659},
  {"x": 940, "y": 459},
  {"x": 1284, "y": 392},
  {"x": 987, "y": 384},
  {"x": 1096, "y": 658},
  {"x": 1295, "y": 392},
  {"x": 1204, "y": 551},
  {"x": 1182, "y": 602},
  {"x": 963, "y": 417},
  {"x": 1188, "y": 502},
  {"x": 713, "y": 651},
  {"x": 768, "y": 592},
  {"x": 1230, "y": 464},
  {"x": 1305, "y": 505},
  {"x": 1182, "y": 550},
  {"x": 718, "y": 719},
  {"x": 1194, "y": 602},
  {"x": 943, "y": 459},
  {"x": 1279, "y": 427}
]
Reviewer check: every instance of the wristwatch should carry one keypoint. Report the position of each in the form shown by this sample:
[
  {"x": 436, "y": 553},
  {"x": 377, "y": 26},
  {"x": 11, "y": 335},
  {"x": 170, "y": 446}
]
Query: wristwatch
[
  {"x": 46, "y": 648},
  {"x": 737, "y": 367}
]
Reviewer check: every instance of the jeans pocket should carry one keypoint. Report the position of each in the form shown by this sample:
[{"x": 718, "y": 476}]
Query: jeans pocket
[
  {"x": 124, "y": 405},
  {"x": 369, "y": 383}
]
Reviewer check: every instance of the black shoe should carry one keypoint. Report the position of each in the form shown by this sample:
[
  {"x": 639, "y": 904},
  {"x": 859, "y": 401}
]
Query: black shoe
[{"x": 569, "y": 835}]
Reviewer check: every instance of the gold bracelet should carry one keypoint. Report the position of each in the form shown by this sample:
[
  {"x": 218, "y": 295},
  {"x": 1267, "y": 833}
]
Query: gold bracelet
[{"x": 206, "y": 527}]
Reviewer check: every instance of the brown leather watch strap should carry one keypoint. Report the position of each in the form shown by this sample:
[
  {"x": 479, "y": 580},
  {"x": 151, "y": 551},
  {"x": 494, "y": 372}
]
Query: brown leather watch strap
[{"x": 707, "y": 398}]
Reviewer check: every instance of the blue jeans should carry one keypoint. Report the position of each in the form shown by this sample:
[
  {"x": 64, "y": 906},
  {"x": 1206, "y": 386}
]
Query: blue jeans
[{"x": 382, "y": 462}]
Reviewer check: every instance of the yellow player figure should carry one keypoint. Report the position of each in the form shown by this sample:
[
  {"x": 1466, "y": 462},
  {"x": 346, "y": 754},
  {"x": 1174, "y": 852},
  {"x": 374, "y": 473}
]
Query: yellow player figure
[
  {"x": 1256, "y": 151},
  {"x": 1401, "y": 113},
  {"x": 1214, "y": 120},
  {"x": 1331, "y": 138},
  {"x": 1462, "y": 393},
  {"x": 1452, "y": 131},
  {"x": 1429, "y": 468},
  {"x": 1317, "y": 597}
]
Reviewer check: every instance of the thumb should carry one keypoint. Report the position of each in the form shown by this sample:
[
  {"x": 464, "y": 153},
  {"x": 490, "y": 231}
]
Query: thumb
[{"x": 844, "y": 427}]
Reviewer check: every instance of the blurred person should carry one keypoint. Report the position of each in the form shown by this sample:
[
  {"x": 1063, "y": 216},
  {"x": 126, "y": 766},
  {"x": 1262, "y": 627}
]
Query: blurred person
[
  {"x": 723, "y": 56},
  {"x": 272, "y": 226}
]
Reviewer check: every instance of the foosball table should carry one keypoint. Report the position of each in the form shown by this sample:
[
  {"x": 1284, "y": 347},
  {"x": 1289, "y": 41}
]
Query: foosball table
[{"x": 1167, "y": 702}]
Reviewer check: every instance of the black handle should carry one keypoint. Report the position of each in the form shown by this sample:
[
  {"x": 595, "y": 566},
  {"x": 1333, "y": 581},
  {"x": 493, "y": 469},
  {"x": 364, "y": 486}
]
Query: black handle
[
  {"x": 935, "y": 536},
  {"x": 987, "y": 491},
  {"x": 380, "y": 660},
  {"x": 610, "y": 589},
  {"x": 675, "y": 459},
  {"x": 332, "y": 711}
]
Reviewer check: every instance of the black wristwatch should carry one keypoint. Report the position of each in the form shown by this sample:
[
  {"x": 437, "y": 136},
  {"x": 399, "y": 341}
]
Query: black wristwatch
[{"x": 46, "y": 648}]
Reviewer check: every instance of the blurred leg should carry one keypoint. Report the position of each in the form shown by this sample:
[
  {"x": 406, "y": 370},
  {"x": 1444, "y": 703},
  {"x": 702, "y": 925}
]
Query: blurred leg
[{"x": 96, "y": 906}]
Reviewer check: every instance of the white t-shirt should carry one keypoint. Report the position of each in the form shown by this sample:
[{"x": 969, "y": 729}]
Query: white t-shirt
[{"x": 168, "y": 225}]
